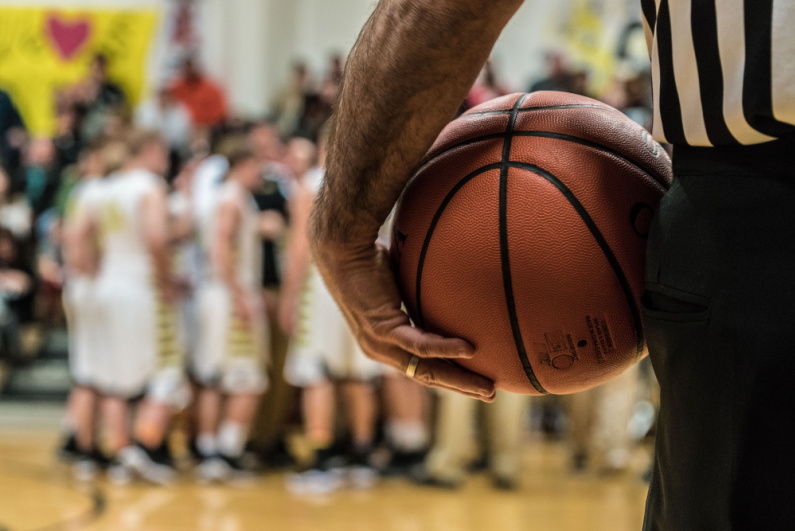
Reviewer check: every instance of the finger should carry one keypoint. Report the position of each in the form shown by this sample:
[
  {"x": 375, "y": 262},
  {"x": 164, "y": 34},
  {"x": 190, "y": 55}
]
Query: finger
[
  {"x": 441, "y": 387},
  {"x": 438, "y": 373},
  {"x": 427, "y": 345},
  {"x": 443, "y": 373}
]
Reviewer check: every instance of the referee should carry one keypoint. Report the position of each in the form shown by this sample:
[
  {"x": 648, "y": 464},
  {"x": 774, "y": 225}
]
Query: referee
[{"x": 720, "y": 281}]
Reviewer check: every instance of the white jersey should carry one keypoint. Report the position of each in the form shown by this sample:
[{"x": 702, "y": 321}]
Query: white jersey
[
  {"x": 85, "y": 200},
  {"x": 125, "y": 252},
  {"x": 247, "y": 249}
]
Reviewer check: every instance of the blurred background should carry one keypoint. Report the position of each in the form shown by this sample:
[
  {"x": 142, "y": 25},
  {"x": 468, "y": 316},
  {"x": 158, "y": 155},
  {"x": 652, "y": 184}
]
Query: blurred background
[{"x": 200, "y": 72}]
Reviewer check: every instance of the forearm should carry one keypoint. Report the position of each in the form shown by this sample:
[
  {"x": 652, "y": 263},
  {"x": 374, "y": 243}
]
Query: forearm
[
  {"x": 161, "y": 261},
  {"x": 410, "y": 69}
]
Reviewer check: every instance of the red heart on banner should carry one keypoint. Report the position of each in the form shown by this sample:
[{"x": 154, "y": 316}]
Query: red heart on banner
[{"x": 68, "y": 37}]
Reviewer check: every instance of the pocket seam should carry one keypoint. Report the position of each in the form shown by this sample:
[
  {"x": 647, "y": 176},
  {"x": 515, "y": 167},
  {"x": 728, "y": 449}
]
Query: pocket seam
[{"x": 687, "y": 317}]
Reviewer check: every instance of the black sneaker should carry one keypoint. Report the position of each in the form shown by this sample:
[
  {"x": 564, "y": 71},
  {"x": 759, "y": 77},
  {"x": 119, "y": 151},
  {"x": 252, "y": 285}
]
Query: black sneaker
[
  {"x": 361, "y": 474},
  {"x": 193, "y": 451},
  {"x": 68, "y": 452},
  {"x": 324, "y": 475},
  {"x": 88, "y": 465},
  {"x": 404, "y": 463},
  {"x": 154, "y": 465}
]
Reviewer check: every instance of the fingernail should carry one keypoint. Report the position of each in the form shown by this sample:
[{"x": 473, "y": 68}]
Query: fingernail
[{"x": 466, "y": 352}]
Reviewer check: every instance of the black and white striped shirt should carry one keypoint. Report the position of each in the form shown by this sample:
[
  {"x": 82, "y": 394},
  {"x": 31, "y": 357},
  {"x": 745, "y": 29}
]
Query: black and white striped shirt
[{"x": 723, "y": 70}]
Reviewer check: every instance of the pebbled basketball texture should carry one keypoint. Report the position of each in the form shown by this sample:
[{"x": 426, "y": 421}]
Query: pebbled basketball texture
[{"x": 524, "y": 232}]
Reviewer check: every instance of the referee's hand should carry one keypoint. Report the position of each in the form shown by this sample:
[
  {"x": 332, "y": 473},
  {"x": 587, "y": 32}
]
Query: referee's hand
[{"x": 362, "y": 282}]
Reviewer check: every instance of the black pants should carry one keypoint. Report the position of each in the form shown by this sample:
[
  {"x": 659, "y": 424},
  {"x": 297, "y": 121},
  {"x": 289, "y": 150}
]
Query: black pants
[{"x": 720, "y": 323}]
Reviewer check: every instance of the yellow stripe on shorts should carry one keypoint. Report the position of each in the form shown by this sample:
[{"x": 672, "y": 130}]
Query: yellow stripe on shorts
[{"x": 168, "y": 352}]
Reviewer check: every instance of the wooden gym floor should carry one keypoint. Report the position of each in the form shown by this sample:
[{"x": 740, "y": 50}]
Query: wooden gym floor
[{"x": 36, "y": 494}]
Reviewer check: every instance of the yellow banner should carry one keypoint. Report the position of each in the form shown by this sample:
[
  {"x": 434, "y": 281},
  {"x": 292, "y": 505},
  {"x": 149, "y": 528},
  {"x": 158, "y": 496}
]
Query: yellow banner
[{"x": 44, "y": 50}]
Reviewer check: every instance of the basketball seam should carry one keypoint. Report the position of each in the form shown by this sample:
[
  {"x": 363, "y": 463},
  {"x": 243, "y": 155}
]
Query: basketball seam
[
  {"x": 432, "y": 227},
  {"x": 600, "y": 240},
  {"x": 532, "y": 109},
  {"x": 505, "y": 259},
  {"x": 556, "y": 136}
]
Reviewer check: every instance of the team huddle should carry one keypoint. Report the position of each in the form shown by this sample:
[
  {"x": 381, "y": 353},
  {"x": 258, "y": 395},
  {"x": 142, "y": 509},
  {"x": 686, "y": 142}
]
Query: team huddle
[{"x": 166, "y": 310}]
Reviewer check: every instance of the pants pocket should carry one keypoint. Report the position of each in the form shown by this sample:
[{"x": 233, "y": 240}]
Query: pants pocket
[{"x": 664, "y": 303}]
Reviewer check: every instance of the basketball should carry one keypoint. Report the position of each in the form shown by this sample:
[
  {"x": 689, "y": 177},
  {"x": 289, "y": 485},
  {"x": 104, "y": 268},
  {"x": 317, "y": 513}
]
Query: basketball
[{"x": 523, "y": 231}]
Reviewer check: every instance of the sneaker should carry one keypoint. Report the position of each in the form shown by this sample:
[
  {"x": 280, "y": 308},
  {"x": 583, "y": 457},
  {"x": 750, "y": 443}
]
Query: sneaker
[
  {"x": 403, "y": 463},
  {"x": 88, "y": 465},
  {"x": 68, "y": 452},
  {"x": 315, "y": 481},
  {"x": 361, "y": 474},
  {"x": 154, "y": 465},
  {"x": 325, "y": 475},
  {"x": 225, "y": 469},
  {"x": 504, "y": 483},
  {"x": 118, "y": 473},
  {"x": 193, "y": 451},
  {"x": 420, "y": 476}
]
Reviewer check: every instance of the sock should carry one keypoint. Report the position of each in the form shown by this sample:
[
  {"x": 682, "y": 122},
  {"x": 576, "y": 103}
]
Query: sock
[
  {"x": 231, "y": 439},
  {"x": 206, "y": 444},
  {"x": 407, "y": 436}
]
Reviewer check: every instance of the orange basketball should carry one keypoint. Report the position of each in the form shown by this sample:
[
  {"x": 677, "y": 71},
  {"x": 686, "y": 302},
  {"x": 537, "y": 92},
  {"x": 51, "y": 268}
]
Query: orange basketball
[{"x": 524, "y": 232}]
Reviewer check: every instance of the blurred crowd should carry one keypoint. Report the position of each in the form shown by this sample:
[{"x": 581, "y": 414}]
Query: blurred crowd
[{"x": 316, "y": 403}]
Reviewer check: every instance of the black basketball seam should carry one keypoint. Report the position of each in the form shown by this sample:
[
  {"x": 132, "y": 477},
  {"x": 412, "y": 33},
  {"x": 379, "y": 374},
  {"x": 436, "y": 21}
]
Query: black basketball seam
[
  {"x": 600, "y": 240},
  {"x": 432, "y": 227},
  {"x": 556, "y": 136},
  {"x": 505, "y": 258},
  {"x": 532, "y": 109}
]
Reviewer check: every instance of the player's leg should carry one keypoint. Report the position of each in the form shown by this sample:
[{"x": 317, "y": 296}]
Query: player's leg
[
  {"x": 611, "y": 439},
  {"x": 362, "y": 407},
  {"x": 233, "y": 431},
  {"x": 79, "y": 417},
  {"x": 581, "y": 416},
  {"x": 454, "y": 443},
  {"x": 505, "y": 423},
  {"x": 406, "y": 407},
  {"x": 243, "y": 381},
  {"x": 116, "y": 423},
  {"x": 159, "y": 369},
  {"x": 208, "y": 413}
]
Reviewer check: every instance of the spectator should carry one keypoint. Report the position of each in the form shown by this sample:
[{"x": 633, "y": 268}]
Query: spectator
[
  {"x": 638, "y": 102},
  {"x": 16, "y": 215},
  {"x": 558, "y": 76},
  {"x": 486, "y": 88},
  {"x": 203, "y": 98},
  {"x": 94, "y": 98},
  {"x": 67, "y": 134},
  {"x": 40, "y": 174},
  {"x": 12, "y": 130},
  {"x": 328, "y": 89},
  {"x": 168, "y": 116},
  {"x": 16, "y": 281},
  {"x": 289, "y": 103}
]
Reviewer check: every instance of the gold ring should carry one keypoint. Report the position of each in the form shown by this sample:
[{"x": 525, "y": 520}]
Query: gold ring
[{"x": 412, "y": 368}]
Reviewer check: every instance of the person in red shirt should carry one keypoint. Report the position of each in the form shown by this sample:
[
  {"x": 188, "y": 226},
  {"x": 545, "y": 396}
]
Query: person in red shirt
[{"x": 203, "y": 98}]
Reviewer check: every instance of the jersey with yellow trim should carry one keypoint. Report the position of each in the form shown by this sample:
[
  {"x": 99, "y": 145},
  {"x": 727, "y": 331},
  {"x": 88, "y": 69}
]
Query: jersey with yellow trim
[
  {"x": 247, "y": 252},
  {"x": 125, "y": 251}
]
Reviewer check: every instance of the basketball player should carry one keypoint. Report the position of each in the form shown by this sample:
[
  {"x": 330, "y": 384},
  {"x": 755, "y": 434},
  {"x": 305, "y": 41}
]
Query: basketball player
[
  {"x": 230, "y": 360},
  {"x": 136, "y": 288},
  {"x": 323, "y": 350},
  {"x": 720, "y": 254},
  {"x": 81, "y": 308}
]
